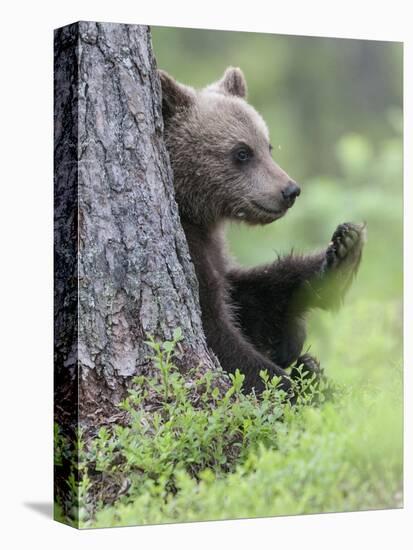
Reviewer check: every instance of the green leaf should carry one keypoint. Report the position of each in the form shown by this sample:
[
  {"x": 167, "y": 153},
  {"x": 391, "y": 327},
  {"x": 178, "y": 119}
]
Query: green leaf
[{"x": 177, "y": 334}]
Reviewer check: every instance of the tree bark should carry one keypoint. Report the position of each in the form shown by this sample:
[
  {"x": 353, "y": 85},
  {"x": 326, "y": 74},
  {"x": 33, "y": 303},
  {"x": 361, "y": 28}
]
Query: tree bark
[{"x": 122, "y": 265}]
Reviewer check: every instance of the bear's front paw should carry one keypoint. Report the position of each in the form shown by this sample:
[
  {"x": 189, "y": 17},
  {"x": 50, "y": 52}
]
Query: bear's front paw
[
  {"x": 308, "y": 367},
  {"x": 344, "y": 250},
  {"x": 310, "y": 383}
]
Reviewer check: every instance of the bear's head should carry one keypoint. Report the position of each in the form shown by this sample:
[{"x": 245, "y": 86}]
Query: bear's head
[{"x": 221, "y": 154}]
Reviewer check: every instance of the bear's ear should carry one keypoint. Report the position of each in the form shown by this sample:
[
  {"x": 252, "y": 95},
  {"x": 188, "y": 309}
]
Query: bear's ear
[
  {"x": 233, "y": 82},
  {"x": 175, "y": 96}
]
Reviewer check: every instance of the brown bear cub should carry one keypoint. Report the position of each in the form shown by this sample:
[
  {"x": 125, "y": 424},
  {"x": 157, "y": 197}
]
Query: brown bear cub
[{"x": 223, "y": 170}]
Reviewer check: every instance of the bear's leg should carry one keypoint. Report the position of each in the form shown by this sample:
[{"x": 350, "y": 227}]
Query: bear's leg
[
  {"x": 270, "y": 301},
  {"x": 262, "y": 301},
  {"x": 223, "y": 335},
  {"x": 295, "y": 284},
  {"x": 235, "y": 352}
]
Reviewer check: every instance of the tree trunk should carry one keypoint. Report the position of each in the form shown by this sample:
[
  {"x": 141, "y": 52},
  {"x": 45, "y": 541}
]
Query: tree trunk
[{"x": 122, "y": 265}]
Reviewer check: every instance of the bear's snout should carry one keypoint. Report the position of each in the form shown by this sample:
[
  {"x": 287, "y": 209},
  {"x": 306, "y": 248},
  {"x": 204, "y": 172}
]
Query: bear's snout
[{"x": 290, "y": 193}]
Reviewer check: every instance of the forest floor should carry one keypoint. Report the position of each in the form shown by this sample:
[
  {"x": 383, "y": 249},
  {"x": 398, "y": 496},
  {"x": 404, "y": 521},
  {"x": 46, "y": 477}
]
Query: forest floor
[{"x": 190, "y": 453}]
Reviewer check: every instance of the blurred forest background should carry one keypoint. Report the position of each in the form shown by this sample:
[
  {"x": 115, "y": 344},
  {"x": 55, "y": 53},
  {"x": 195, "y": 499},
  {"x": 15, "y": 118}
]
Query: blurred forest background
[{"x": 334, "y": 110}]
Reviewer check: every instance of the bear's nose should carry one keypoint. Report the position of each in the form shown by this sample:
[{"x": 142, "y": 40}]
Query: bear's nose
[{"x": 290, "y": 192}]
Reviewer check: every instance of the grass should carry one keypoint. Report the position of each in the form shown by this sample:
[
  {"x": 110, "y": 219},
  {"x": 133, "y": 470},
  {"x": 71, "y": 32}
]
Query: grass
[
  {"x": 190, "y": 452},
  {"x": 322, "y": 460}
]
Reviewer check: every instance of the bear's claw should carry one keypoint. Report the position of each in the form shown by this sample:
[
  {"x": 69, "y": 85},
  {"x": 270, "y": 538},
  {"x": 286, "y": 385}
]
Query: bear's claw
[{"x": 345, "y": 246}]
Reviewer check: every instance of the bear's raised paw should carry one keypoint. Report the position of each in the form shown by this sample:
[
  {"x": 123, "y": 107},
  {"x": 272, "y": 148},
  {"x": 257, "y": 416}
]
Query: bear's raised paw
[{"x": 346, "y": 246}]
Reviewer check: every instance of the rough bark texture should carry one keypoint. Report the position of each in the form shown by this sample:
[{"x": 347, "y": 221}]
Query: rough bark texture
[{"x": 122, "y": 266}]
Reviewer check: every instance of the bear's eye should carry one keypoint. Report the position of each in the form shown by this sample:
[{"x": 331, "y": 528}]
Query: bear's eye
[{"x": 243, "y": 154}]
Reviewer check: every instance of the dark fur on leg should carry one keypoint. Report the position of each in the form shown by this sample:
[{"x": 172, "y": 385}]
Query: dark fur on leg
[
  {"x": 270, "y": 304},
  {"x": 271, "y": 301},
  {"x": 224, "y": 336}
]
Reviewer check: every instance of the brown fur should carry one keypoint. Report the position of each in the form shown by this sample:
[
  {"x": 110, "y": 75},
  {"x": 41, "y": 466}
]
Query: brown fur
[{"x": 253, "y": 319}]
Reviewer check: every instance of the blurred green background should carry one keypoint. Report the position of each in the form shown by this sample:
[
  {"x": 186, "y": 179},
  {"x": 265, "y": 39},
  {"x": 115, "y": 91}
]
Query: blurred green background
[{"x": 334, "y": 110}]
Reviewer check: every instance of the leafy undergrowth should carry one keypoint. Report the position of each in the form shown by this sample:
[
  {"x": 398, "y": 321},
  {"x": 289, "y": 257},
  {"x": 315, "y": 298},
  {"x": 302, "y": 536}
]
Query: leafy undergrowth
[{"x": 190, "y": 452}]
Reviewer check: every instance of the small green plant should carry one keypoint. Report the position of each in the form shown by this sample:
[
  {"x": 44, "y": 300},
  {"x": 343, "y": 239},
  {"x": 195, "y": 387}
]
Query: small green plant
[
  {"x": 162, "y": 358},
  {"x": 317, "y": 459},
  {"x": 190, "y": 450},
  {"x": 174, "y": 424}
]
